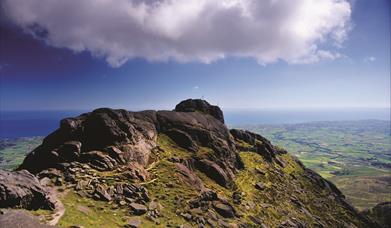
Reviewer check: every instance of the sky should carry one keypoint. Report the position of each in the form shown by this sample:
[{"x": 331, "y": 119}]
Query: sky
[{"x": 239, "y": 54}]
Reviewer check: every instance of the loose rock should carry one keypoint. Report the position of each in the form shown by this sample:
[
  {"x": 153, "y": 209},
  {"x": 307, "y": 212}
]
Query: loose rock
[{"x": 138, "y": 209}]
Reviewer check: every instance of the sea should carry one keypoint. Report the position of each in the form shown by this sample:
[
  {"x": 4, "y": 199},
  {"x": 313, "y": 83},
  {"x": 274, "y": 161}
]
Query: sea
[{"x": 14, "y": 124}]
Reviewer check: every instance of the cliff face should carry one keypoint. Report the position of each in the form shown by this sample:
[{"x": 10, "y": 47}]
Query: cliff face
[{"x": 183, "y": 167}]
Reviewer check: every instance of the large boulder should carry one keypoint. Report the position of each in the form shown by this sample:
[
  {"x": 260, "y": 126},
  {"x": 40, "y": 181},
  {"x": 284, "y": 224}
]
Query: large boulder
[
  {"x": 22, "y": 189},
  {"x": 19, "y": 218},
  {"x": 198, "y": 105}
]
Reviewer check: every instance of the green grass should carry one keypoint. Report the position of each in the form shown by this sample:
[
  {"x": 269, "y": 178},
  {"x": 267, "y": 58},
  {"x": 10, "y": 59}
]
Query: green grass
[{"x": 86, "y": 212}]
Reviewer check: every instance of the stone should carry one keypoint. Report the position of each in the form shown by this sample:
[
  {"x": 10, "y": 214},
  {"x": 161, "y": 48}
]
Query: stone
[
  {"x": 122, "y": 203},
  {"x": 119, "y": 188},
  {"x": 133, "y": 222},
  {"x": 185, "y": 226},
  {"x": 237, "y": 197},
  {"x": 58, "y": 181},
  {"x": 155, "y": 206},
  {"x": 99, "y": 160},
  {"x": 135, "y": 171},
  {"x": 45, "y": 181},
  {"x": 260, "y": 171},
  {"x": 116, "y": 154},
  {"x": 195, "y": 211},
  {"x": 183, "y": 139},
  {"x": 208, "y": 195},
  {"x": 260, "y": 186},
  {"x": 138, "y": 209},
  {"x": 18, "y": 219},
  {"x": 215, "y": 172},
  {"x": 224, "y": 210},
  {"x": 256, "y": 220},
  {"x": 49, "y": 173},
  {"x": 102, "y": 193},
  {"x": 186, "y": 216},
  {"x": 188, "y": 176},
  {"x": 22, "y": 189},
  {"x": 69, "y": 151},
  {"x": 212, "y": 223}
]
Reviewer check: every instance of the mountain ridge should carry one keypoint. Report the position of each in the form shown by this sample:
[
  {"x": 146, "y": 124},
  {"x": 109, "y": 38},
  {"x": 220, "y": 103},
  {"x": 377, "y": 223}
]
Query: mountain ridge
[{"x": 140, "y": 161}]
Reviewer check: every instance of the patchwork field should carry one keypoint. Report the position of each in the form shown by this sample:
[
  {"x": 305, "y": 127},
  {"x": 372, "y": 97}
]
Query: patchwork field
[
  {"x": 355, "y": 155},
  {"x": 13, "y": 151}
]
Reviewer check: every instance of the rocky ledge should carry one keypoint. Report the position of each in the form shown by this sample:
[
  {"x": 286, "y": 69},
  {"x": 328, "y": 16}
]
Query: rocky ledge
[{"x": 175, "y": 168}]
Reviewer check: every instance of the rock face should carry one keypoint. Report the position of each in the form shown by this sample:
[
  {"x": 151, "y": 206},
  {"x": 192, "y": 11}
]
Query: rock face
[
  {"x": 193, "y": 105},
  {"x": 207, "y": 132},
  {"x": 91, "y": 137},
  {"x": 106, "y": 139},
  {"x": 22, "y": 190},
  {"x": 256, "y": 143}
]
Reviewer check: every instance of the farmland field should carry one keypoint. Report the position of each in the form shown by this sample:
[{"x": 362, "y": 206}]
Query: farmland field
[
  {"x": 355, "y": 155},
  {"x": 13, "y": 151}
]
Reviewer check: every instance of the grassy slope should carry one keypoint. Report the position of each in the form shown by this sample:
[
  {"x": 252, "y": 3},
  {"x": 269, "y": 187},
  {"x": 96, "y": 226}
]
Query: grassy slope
[{"x": 273, "y": 204}]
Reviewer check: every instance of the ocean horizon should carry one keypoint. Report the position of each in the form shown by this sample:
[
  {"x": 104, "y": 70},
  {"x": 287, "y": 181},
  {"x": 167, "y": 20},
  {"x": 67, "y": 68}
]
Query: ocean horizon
[{"x": 14, "y": 124}]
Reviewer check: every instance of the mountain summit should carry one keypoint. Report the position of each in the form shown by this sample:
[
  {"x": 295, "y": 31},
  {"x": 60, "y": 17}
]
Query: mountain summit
[{"x": 179, "y": 168}]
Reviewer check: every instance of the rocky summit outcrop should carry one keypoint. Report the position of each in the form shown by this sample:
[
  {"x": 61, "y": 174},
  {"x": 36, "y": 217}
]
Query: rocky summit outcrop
[
  {"x": 197, "y": 105},
  {"x": 22, "y": 190},
  {"x": 107, "y": 138},
  {"x": 180, "y": 168}
]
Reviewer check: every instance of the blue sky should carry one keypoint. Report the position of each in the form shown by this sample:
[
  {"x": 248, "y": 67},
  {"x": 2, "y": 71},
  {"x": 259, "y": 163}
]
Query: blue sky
[{"x": 41, "y": 73}]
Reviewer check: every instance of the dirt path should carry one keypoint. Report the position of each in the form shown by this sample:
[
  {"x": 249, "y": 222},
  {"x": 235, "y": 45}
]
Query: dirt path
[{"x": 59, "y": 206}]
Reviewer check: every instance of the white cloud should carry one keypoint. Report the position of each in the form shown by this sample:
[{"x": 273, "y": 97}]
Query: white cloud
[
  {"x": 196, "y": 88},
  {"x": 369, "y": 59},
  {"x": 188, "y": 30}
]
